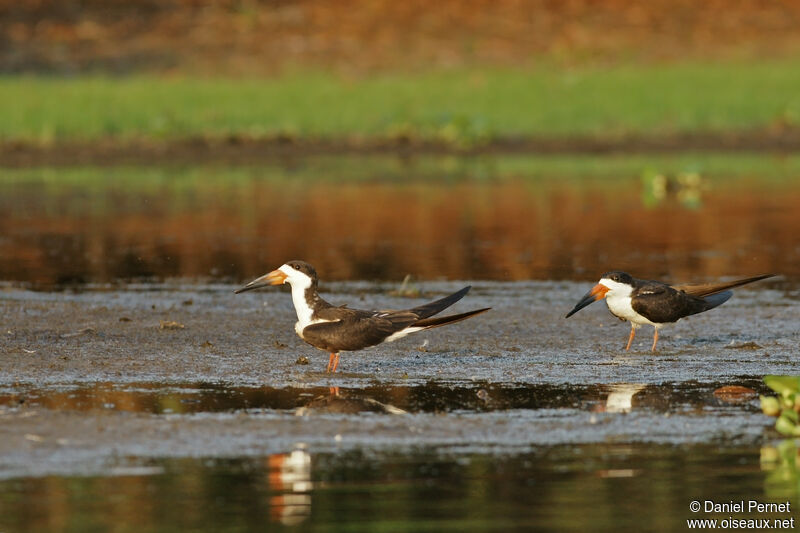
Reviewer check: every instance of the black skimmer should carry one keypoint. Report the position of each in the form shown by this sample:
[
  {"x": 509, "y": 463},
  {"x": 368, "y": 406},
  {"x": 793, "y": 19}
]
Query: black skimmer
[
  {"x": 653, "y": 302},
  {"x": 336, "y": 329}
]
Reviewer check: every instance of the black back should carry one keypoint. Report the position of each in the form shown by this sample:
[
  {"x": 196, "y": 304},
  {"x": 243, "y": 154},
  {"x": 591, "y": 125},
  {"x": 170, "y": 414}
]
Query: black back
[
  {"x": 660, "y": 303},
  {"x": 356, "y": 330},
  {"x": 353, "y": 329}
]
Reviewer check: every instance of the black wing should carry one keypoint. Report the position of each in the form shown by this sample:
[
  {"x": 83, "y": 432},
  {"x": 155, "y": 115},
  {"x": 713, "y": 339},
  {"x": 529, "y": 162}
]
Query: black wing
[
  {"x": 707, "y": 289},
  {"x": 353, "y": 329},
  {"x": 661, "y": 303},
  {"x": 357, "y": 330},
  {"x": 432, "y": 308},
  {"x": 327, "y": 311}
]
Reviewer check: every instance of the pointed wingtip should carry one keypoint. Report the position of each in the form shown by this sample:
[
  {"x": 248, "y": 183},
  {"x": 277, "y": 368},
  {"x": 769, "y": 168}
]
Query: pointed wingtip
[
  {"x": 435, "y": 322},
  {"x": 463, "y": 292},
  {"x": 715, "y": 300},
  {"x": 757, "y": 278}
]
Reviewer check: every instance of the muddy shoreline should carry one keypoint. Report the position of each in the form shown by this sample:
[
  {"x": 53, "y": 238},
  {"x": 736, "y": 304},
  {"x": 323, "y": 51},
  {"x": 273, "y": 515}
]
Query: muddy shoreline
[
  {"x": 193, "y": 371},
  {"x": 176, "y": 333}
]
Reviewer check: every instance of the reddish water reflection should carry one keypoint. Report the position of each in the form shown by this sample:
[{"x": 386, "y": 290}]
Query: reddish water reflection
[
  {"x": 517, "y": 227},
  {"x": 431, "y": 397}
]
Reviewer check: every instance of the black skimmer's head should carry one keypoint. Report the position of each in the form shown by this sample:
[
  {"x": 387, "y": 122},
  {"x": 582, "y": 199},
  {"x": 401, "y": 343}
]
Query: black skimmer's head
[
  {"x": 298, "y": 274},
  {"x": 612, "y": 284}
]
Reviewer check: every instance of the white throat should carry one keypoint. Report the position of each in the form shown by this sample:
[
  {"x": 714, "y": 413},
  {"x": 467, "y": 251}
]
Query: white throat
[
  {"x": 301, "y": 307},
  {"x": 618, "y": 299},
  {"x": 299, "y": 283}
]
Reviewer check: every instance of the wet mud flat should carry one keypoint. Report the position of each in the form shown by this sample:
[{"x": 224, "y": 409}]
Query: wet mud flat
[
  {"x": 187, "y": 333},
  {"x": 176, "y": 354},
  {"x": 172, "y": 381}
]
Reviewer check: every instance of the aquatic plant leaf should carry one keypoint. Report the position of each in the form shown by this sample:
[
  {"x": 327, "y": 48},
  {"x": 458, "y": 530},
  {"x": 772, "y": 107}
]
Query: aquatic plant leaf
[
  {"x": 783, "y": 385},
  {"x": 787, "y": 401},
  {"x": 770, "y": 405},
  {"x": 788, "y": 451},
  {"x": 785, "y": 426}
]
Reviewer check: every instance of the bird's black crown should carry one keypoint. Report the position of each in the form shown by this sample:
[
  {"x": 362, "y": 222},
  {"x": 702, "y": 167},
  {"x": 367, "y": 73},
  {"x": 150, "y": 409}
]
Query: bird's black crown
[
  {"x": 303, "y": 267},
  {"x": 619, "y": 277}
]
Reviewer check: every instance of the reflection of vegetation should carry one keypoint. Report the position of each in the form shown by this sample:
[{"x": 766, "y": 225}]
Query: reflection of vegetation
[
  {"x": 716, "y": 169},
  {"x": 487, "y": 217},
  {"x": 685, "y": 187},
  {"x": 460, "y": 106},
  {"x": 786, "y": 405},
  {"x": 781, "y": 462}
]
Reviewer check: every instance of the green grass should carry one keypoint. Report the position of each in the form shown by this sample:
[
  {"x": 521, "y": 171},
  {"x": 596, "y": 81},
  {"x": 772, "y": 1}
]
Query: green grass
[{"x": 457, "y": 106}]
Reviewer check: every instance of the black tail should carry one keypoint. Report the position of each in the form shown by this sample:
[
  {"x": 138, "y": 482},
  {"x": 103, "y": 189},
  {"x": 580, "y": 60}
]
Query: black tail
[
  {"x": 429, "y": 323},
  {"x": 432, "y": 308}
]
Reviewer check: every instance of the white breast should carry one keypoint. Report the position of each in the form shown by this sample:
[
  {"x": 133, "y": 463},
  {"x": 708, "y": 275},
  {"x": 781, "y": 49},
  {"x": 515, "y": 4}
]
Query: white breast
[
  {"x": 304, "y": 312},
  {"x": 622, "y": 307}
]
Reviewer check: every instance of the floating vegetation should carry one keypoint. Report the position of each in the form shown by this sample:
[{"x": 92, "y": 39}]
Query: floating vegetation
[
  {"x": 686, "y": 188},
  {"x": 786, "y": 405},
  {"x": 781, "y": 462}
]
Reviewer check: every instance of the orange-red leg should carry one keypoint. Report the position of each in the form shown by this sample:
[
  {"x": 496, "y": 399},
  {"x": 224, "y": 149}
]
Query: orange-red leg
[
  {"x": 655, "y": 339},
  {"x": 630, "y": 339},
  {"x": 333, "y": 362}
]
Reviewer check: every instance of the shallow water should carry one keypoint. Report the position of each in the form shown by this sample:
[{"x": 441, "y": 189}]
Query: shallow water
[
  {"x": 571, "y": 488},
  {"x": 211, "y": 457},
  {"x": 520, "y": 420},
  {"x": 431, "y": 397},
  {"x": 143, "y": 395},
  {"x": 381, "y": 218}
]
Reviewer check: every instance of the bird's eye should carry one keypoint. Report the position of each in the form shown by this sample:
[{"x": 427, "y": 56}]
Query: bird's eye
[{"x": 297, "y": 267}]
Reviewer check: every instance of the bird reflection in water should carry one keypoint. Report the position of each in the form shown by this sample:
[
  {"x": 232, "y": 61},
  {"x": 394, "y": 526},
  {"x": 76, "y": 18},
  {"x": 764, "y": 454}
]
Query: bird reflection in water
[
  {"x": 344, "y": 402},
  {"x": 620, "y": 397},
  {"x": 290, "y": 486}
]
